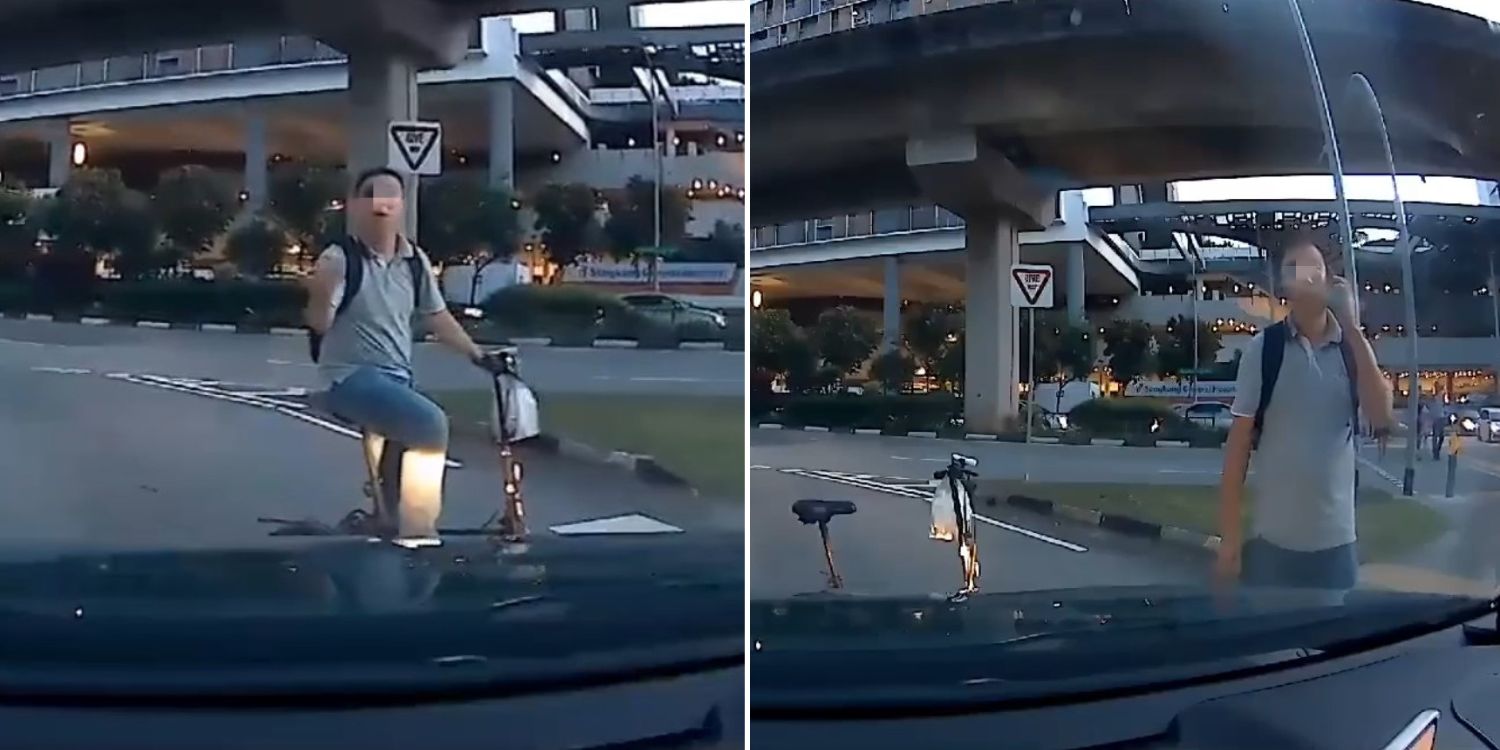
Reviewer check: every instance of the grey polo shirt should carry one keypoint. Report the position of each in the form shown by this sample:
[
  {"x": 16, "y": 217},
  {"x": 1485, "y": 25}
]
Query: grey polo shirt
[
  {"x": 1304, "y": 466},
  {"x": 376, "y": 329}
]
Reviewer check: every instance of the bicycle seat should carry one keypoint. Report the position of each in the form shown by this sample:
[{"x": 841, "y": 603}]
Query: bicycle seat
[{"x": 821, "y": 511}]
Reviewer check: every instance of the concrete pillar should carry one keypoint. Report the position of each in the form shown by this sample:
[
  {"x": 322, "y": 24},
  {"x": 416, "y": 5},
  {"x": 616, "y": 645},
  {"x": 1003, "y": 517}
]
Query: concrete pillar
[
  {"x": 502, "y": 136},
  {"x": 59, "y": 153},
  {"x": 1448, "y": 386},
  {"x": 669, "y": 142},
  {"x": 382, "y": 88},
  {"x": 964, "y": 174},
  {"x": 891, "y": 311},
  {"x": 1076, "y": 286},
  {"x": 990, "y": 353},
  {"x": 256, "y": 192}
]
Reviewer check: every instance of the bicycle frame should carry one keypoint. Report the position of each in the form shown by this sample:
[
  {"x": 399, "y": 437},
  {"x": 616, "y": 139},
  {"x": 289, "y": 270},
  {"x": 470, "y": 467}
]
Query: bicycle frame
[
  {"x": 961, "y": 488},
  {"x": 513, "y": 520}
]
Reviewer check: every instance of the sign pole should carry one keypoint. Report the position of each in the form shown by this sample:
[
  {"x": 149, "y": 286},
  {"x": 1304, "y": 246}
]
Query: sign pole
[{"x": 1031, "y": 377}]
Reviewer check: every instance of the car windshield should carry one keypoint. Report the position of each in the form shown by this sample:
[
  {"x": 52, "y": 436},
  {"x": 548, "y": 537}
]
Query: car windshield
[
  {"x": 1239, "y": 255},
  {"x": 258, "y": 308}
]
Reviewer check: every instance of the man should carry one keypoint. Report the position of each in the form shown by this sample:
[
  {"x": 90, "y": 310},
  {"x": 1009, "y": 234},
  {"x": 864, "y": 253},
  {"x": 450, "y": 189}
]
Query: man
[
  {"x": 364, "y": 345},
  {"x": 1303, "y": 528}
]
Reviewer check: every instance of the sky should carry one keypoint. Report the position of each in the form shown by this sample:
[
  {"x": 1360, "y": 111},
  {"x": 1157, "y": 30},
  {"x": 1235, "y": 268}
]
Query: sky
[{"x": 701, "y": 13}]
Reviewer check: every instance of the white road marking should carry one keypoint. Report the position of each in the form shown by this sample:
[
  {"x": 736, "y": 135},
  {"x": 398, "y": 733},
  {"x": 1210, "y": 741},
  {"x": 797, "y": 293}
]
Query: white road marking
[
  {"x": 928, "y": 460},
  {"x": 160, "y": 325},
  {"x": 62, "y": 370},
  {"x": 758, "y": 467},
  {"x": 290, "y": 410},
  {"x": 926, "y": 496},
  {"x": 632, "y": 523}
]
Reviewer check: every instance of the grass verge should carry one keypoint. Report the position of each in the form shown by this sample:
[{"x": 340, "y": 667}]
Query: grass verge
[
  {"x": 700, "y": 438},
  {"x": 1389, "y": 527}
]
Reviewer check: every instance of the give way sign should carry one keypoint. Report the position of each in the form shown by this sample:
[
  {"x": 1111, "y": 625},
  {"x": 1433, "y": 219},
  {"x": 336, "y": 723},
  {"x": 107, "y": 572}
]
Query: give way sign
[{"x": 1030, "y": 285}]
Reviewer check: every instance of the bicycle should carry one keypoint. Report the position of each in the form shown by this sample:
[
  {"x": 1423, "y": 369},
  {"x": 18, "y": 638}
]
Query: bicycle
[
  {"x": 959, "y": 475},
  {"x": 382, "y": 461}
]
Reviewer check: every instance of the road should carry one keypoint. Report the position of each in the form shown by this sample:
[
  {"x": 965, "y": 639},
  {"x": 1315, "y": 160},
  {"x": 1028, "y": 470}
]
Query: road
[
  {"x": 95, "y": 454},
  {"x": 883, "y": 548},
  {"x": 282, "y": 360}
]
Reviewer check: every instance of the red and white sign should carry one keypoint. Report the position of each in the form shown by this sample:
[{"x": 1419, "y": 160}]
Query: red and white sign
[{"x": 1030, "y": 285}]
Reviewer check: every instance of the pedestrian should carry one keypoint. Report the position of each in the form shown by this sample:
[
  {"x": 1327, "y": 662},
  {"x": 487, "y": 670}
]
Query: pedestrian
[
  {"x": 1424, "y": 425},
  {"x": 1437, "y": 429},
  {"x": 1302, "y": 385}
]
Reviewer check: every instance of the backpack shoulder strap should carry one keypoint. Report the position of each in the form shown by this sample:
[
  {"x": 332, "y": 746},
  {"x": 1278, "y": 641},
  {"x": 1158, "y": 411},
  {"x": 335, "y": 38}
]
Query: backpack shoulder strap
[
  {"x": 418, "y": 277},
  {"x": 354, "y": 272},
  {"x": 1272, "y": 351}
]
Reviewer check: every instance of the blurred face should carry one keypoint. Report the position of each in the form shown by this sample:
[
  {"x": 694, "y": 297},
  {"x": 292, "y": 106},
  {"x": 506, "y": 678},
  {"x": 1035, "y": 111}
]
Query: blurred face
[
  {"x": 1304, "y": 276},
  {"x": 378, "y": 203}
]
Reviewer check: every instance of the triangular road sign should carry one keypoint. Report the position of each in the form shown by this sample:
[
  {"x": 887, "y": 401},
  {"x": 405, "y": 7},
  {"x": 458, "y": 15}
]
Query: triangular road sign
[
  {"x": 1033, "y": 282},
  {"x": 416, "y": 143}
]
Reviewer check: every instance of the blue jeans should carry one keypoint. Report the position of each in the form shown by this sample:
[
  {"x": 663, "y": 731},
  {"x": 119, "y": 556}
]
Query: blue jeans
[
  {"x": 386, "y": 403},
  {"x": 1265, "y": 564}
]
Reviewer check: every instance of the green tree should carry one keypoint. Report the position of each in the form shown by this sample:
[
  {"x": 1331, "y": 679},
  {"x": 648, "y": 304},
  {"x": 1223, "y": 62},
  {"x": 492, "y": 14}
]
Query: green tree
[
  {"x": 1127, "y": 343},
  {"x": 17, "y": 233},
  {"x": 725, "y": 245},
  {"x": 845, "y": 338},
  {"x": 464, "y": 220},
  {"x": 771, "y": 332},
  {"x": 137, "y": 249},
  {"x": 1174, "y": 346},
  {"x": 302, "y": 197},
  {"x": 929, "y": 329},
  {"x": 631, "y": 228},
  {"x": 1075, "y": 353},
  {"x": 566, "y": 217},
  {"x": 893, "y": 369},
  {"x": 95, "y": 216},
  {"x": 193, "y": 205},
  {"x": 257, "y": 245}
]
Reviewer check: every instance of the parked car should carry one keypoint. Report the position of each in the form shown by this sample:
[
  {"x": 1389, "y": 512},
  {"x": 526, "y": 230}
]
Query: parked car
[
  {"x": 671, "y": 311},
  {"x": 1213, "y": 414}
]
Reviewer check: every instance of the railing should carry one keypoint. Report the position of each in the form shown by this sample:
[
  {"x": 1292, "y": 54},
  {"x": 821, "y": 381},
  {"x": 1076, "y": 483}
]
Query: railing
[
  {"x": 212, "y": 58},
  {"x": 852, "y": 225}
]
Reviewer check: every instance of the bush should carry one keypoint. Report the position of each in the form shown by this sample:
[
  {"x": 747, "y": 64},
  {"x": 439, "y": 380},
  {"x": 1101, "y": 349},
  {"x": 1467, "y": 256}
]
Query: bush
[
  {"x": 193, "y": 301},
  {"x": 901, "y": 413},
  {"x": 701, "y": 330},
  {"x": 1123, "y": 416},
  {"x": 893, "y": 370},
  {"x": 558, "y": 311}
]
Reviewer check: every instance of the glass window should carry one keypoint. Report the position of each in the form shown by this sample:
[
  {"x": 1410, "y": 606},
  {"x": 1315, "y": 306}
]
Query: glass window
[
  {"x": 91, "y": 72},
  {"x": 255, "y": 53},
  {"x": 57, "y": 77},
  {"x": 215, "y": 57},
  {"x": 125, "y": 68}
]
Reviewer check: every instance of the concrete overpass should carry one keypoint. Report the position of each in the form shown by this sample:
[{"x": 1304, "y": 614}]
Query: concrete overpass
[
  {"x": 990, "y": 110},
  {"x": 430, "y": 32}
]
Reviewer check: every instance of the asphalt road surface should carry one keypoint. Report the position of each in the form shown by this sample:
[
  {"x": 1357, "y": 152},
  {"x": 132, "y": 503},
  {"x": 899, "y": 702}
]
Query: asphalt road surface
[
  {"x": 282, "y": 360},
  {"x": 95, "y": 454},
  {"x": 883, "y": 548}
]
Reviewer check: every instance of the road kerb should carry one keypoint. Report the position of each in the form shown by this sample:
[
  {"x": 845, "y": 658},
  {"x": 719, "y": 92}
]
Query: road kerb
[
  {"x": 285, "y": 331},
  {"x": 921, "y": 434},
  {"x": 1123, "y": 525},
  {"x": 866, "y": 431},
  {"x": 38, "y": 316},
  {"x": 616, "y": 344},
  {"x": 981, "y": 436},
  {"x": 815, "y": 429},
  {"x": 219, "y": 327},
  {"x": 94, "y": 321},
  {"x": 156, "y": 324}
]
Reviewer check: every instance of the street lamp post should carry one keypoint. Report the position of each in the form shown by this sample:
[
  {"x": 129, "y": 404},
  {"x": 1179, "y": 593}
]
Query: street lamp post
[
  {"x": 1405, "y": 249},
  {"x": 656, "y": 147}
]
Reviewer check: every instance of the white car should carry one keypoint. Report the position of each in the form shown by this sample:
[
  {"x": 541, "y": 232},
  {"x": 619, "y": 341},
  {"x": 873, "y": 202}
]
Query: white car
[
  {"x": 1212, "y": 414},
  {"x": 672, "y": 311}
]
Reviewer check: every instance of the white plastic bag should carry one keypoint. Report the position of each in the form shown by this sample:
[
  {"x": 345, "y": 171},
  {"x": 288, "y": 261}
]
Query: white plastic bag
[
  {"x": 523, "y": 417},
  {"x": 944, "y": 521}
]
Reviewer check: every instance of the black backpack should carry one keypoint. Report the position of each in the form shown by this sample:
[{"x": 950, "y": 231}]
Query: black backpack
[
  {"x": 355, "y": 253},
  {"x": 1273, "y": 350}
]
